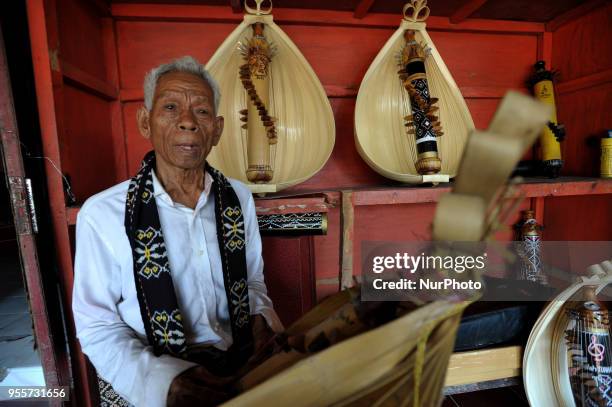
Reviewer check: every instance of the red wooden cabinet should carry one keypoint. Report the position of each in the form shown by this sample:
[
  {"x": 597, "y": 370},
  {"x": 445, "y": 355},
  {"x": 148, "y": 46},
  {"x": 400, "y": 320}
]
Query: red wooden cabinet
[{"x": 90, "y": 57}]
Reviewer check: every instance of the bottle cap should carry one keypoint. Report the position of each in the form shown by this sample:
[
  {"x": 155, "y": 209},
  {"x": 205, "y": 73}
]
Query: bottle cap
[{"x": 540, "y": 65}]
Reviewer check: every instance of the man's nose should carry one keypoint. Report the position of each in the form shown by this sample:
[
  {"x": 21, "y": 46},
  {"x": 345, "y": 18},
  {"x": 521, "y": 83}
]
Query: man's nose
[{"x": 187, "y": 122}]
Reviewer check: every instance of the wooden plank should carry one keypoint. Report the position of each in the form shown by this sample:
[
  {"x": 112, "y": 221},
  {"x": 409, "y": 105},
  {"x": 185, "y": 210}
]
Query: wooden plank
[
  {"x": 463, "y": 378},
  {"x": 71, "y": 214},
  {"x": 88, "y": 153},
  {"x": 484, "y": 365},
  {"x": 537, "y": 206},
  {"x": 578, "y": 218},
  {"x": 80, "y": 41},
  {"x": 262, "y": 207},
  {"x": 545, "y": 42},
  {"x": 290, "y": 278},
  {"x": 585, "y": 82},
  {"x": 281, "y": 206},
  {"x": 487, "y": 92},
  {"x": 562, "y": 186},
  {"x": 573, "y": 186},
  {"x": 490, "y": 384},
  {"x": 399, "y": 196},
  {"x": 110, "y": 52},
  {"x": 143, "y": 45},
  {"x": 131, "y": 95},
  {"x": 573, "y": 14},
  {"x": 165, "y": 12},
  {"x": 467, "y": 9},
  {"x": 362, "y": 8},
  {"x": 347, "y": 223},
  {"x": 582, "y": 47},
  {"x": 530, "y": 189},
  {"x": 84, "y": 81},
  {"x": 581, "y": 158}
]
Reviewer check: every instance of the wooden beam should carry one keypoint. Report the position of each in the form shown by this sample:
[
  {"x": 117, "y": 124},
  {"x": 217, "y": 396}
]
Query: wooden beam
[
  {"x": 87, "y": 82},
  {"x": 201, "y": 13},
  {"x": 573, "y": 14},
  {"x": 530, "y": 188},
  {"x": 545, "y": 44},
  {"x": 236, "y": 6},
  {"x": 596, "y": 79},
  {"x": 111, "y": 58},
  {"x": 362, "y": 8},
  {"x": 466, "y": 10}
]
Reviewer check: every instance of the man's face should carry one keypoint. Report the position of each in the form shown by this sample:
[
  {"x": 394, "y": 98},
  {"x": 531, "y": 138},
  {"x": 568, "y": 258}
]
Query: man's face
[{"x": 182, "y": 125}]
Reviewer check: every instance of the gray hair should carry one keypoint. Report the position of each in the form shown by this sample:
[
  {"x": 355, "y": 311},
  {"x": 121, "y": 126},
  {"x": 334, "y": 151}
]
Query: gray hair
[{"x": 185, "y": 64}]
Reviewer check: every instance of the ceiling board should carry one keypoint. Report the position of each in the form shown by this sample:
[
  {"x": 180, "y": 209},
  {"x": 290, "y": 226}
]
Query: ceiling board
[
  {"x": 519, "y": 10},
  {"x": 525, "y": 10}
]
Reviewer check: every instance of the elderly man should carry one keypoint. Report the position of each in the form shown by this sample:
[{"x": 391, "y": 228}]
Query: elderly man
[{"x": 169, "y": 297}]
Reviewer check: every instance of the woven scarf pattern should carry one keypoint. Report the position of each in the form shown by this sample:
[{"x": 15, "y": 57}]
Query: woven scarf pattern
[{"x": 154, "y": 287}]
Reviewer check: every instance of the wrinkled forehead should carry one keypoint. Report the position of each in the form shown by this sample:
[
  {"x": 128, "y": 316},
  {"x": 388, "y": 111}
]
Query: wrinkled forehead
[{"x": 182, "y": 84}]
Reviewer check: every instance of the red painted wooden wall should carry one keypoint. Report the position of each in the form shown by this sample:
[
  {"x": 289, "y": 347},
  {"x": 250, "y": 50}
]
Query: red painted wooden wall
[
  {"x": 100, "y": 144},
  {"x": 98, "y": 59},
  {"x": 582, "y": 54}
]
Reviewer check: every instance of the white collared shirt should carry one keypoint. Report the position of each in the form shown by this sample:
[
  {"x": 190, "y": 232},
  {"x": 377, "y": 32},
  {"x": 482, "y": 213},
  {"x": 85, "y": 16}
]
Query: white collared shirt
[{"x": 105, "y": 305}]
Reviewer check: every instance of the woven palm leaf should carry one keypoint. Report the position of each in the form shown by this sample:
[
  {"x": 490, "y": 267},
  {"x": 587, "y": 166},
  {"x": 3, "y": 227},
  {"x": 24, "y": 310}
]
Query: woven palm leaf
[
  {"x": 400, "y": 363},
  {"x": 382, "y": 103},
  {"x": 304, "y": 118}
]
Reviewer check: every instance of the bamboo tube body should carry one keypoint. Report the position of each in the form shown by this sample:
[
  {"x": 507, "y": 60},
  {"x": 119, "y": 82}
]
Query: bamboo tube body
[
  {"x": 423, "y": 123},
  {"x": 380, "y": 109},
  {"x": 258, "y": 148},
  {"x": 606, "y": 156},
  {"x": 551, "y": 148},
  {"x": 255, "y": 77},
  {"x": 303, "y": 122},
  {"x": 543, "y": 90}
]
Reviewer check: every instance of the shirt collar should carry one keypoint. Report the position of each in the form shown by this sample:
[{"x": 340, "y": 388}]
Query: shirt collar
[{"x": 159, "y": 191}]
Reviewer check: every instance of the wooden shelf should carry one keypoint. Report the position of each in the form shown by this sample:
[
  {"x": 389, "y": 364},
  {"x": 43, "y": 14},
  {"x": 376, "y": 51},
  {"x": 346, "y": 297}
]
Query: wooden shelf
[
  {"x": 469, "y": 368},
  {"x": 397, "y": 195},
  {"x": 529, "y": 188}
]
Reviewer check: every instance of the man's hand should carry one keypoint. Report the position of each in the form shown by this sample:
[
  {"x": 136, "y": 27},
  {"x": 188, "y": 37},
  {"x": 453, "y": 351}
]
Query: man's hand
[
  {"x": 198, "y": 387},
  {"x": 261, "y": 332}
]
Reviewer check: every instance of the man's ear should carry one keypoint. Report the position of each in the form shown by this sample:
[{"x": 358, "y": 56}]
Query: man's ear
[
  {"x": 142, "y": 117},
  {"x": 219, "y": 123}
]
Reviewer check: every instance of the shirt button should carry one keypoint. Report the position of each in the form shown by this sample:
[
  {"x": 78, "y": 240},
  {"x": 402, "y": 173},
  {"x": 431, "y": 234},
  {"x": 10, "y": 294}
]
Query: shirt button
[{"x": 200, "y": 252}]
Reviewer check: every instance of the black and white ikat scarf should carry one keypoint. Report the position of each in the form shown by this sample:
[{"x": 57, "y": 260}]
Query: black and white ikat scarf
[{"x": 158, "y": 303}]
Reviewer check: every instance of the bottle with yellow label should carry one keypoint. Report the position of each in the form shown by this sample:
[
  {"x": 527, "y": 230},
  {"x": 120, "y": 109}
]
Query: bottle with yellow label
[
  {"x": 606, "y": 155},
  {"x": 542, "y": 82}
]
